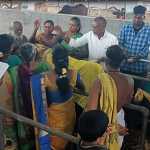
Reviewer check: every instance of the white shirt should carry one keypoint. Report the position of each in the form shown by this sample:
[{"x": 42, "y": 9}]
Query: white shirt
[{"x": 97, "y": 47}]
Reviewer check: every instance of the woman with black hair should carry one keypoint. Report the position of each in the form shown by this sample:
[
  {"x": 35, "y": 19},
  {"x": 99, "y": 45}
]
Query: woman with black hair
[
  {"x": 7, "y": 45},
  {"x": 59, "y": 86},
  {"x": 29, "y": 67},
  {"x": 74, "y": 32},
  {"x": 74, "y": 28}
]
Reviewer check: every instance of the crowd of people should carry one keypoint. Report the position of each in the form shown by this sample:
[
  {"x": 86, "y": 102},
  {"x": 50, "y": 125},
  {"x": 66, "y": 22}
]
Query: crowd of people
[{"x": 72, "y": 82}]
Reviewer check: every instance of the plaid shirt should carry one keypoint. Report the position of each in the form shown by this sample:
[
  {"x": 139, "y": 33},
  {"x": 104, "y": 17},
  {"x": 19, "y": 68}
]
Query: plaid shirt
[{"x": 136, "y": 44}]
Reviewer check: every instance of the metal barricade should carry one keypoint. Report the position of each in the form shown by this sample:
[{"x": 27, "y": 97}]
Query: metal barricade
[
  {"x": 28, "y": 121},
  {"x": 142, "y": 136}
]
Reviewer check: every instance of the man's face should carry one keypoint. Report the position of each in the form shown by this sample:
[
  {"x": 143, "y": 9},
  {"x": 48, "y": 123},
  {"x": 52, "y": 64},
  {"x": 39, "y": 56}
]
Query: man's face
[
  {"x": 48, "y": 28},
  {"x": 98, "y": 27},
  {"x": 138, "y": 21},
  {"x": 18, "y": 29}
]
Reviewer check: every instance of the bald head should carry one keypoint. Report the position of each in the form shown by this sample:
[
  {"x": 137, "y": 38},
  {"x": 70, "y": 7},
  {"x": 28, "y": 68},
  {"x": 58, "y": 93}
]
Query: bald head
[
  {"x": 17, "y": 28},
  {"x": 101, "y": 20},
  {"x": 99, "y": 25}
]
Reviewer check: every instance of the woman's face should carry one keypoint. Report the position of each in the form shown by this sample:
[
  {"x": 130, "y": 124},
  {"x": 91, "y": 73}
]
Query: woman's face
[
  {"x": 48, "y": 28},
  {"x": 73, "y": 26}
]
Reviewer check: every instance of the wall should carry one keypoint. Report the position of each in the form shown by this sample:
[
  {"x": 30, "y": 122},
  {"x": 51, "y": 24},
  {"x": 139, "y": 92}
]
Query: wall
[{"x": 27, "y": 18}]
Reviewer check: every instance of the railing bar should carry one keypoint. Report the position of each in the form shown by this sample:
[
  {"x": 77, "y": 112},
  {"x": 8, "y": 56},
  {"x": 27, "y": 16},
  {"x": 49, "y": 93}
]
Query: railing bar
[
  {"x": 1, "y": 133},
  {"x": 39, "y": 125}
]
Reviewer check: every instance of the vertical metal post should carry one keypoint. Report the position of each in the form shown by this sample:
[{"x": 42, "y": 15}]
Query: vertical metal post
[
  {"x": 144, "y": 127},
  {"x": 125, "y": 7},
  {"x": 88, "y": 4},
  {"x": 106, "y": 2},
  {"x": 1, "y": 133},
  {"x": 58, "y": 5}
]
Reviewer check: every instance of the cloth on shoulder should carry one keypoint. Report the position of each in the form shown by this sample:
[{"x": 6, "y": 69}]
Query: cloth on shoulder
[{"x": 108, "y": 104}]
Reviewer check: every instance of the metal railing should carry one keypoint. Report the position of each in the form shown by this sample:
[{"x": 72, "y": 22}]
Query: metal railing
[
  {"x": 145, "y": 113},
  {"x": 38, "y": 125},
  {"x": 61, "y": 134}
]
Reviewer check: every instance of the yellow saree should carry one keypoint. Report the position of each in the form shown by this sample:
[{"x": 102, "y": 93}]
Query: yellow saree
[
  {"x": 6, "y": 100},
  {"x": 88, "y": 71},
  {"x": 140, "y": 94},
  {"x": 41, "y": 49},
  {"x": 61, "y": 115},
  {"x": 108, "y": 104}
]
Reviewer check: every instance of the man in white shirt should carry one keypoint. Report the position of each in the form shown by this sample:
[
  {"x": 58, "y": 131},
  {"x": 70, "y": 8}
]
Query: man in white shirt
[{"x": 98, "y": 40}]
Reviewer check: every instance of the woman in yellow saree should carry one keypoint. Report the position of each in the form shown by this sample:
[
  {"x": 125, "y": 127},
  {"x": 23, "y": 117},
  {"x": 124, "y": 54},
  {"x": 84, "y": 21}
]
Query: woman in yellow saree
[
  {"x": 59, "y": 84},
  {"x": 45, "y": 37},
  {"x": 6, "y": 92},
  {"x": 74, "y": 32},
  {"x": 88, "y": 71},
  {"x": 107, "y": 93}
]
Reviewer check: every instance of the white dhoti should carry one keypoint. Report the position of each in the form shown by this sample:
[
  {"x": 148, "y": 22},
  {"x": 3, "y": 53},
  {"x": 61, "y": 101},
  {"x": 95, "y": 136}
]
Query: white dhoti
[{"x": 121, "y": 121}]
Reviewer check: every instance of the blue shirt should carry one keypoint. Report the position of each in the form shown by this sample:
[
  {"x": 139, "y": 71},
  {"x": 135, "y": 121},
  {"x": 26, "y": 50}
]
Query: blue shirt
[{"x": 136, "y": 44}]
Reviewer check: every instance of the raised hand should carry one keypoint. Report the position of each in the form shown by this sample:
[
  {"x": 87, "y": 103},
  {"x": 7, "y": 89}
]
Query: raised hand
[{"x": 37, "y": 24}]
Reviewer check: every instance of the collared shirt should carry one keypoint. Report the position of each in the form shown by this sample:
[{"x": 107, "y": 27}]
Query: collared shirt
[
  {"x": 97, "y": 47},
  {"x": 137, "y": 44}
]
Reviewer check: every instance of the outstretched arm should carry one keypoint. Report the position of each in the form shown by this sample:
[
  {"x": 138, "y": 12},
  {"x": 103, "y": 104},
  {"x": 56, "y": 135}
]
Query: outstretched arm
[
  {"x": 94, "y": 96},
  {"x": 36, "y": 27},
  {"x": 79, "y": 41}
]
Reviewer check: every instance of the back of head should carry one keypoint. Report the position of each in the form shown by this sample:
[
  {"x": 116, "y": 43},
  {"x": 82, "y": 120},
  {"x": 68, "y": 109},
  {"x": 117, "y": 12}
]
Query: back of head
[
  {"x": 6, "y": 42},
  {"x": 115, "y": 56},
  {"x": 60, "y": 60},
  {"x": 27, "y": 52},
  {"x": 92, "y": 124}
]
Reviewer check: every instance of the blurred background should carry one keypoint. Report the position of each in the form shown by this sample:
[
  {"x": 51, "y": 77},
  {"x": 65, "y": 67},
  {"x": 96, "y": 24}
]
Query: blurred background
[{"x": 120, "y": 9}]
